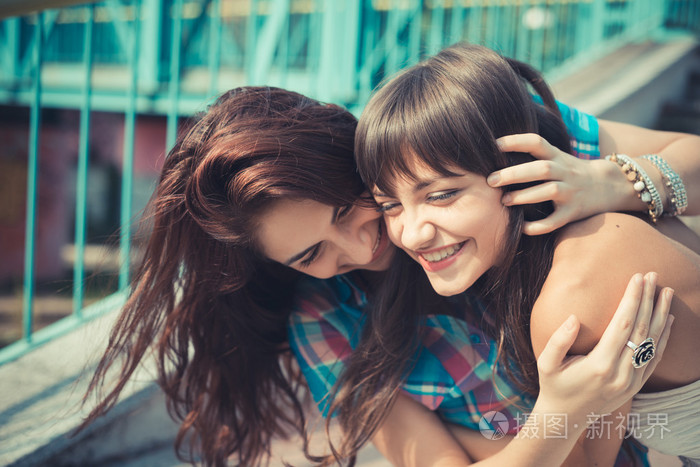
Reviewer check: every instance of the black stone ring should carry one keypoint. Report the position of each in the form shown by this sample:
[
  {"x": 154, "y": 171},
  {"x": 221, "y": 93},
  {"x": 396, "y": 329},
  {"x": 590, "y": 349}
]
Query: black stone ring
[{"x": 642, "y": 353}]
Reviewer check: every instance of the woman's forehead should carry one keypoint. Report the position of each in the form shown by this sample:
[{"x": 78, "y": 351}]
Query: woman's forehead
[{"x": 289, "y": 226}]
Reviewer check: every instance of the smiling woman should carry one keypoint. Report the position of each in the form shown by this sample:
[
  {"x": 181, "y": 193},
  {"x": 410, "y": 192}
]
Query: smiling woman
[
  {"x": 454, "y": 226},
  {"x": 425, "y": 144}
]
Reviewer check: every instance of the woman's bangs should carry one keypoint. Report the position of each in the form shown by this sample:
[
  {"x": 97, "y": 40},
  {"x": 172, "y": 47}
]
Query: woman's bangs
[{"x": 407, "y": 132}]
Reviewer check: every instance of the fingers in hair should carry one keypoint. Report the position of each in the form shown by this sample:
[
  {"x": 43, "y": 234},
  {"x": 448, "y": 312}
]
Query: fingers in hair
[
  {"x": 533, "y": 171},
  {"x": 527, "y": 142}
]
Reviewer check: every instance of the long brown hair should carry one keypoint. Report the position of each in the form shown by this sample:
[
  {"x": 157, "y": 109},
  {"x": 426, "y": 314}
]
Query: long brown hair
[
  {"x": 448, "y": 110},
  {"x": 214, "y": 311}
]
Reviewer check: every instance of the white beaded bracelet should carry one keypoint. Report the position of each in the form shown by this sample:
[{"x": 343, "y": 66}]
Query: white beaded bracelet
[
  {"x": 677, "y": 196},
  {"x": 643, "y": 185}
]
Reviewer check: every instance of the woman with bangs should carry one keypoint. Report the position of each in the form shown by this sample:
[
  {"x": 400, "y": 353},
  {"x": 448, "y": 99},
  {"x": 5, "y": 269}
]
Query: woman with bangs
[
  {"x": 425, "y": 145},
  {"x": 261, "y": 188}
]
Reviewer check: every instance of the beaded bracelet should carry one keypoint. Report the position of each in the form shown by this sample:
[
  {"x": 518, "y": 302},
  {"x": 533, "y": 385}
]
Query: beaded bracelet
[
  {"x": 643, "y": 185},
  {"x": 677, "y": 196}
]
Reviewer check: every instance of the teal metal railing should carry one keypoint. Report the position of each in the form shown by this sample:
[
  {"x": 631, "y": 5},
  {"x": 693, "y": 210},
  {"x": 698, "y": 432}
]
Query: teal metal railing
[{"x": 168, "y": 57}]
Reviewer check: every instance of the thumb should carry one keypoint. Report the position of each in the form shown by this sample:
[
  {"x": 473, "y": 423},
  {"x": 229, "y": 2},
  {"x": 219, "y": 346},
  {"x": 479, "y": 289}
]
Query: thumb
[{"x": 558, "y": 345}]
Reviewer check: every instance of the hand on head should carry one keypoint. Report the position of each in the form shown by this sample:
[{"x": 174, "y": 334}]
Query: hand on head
[{"x": 572, "y": 184}]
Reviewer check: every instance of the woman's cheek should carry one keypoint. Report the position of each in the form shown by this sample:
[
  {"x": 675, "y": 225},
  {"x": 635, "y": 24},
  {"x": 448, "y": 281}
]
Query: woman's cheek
[{"x": 393, "y": 228}]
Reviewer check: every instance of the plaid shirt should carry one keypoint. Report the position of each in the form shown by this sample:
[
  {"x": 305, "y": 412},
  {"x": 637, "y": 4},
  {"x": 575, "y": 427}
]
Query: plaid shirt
[{"x": 453, "y": 374}]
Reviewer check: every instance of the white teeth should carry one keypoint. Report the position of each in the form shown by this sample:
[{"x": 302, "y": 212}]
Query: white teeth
[{"x": 439, "y": 255}]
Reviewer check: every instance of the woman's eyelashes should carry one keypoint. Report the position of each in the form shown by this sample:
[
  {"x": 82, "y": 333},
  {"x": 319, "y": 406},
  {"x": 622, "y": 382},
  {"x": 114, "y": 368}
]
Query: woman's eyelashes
[
  {"x": 343, "y": 212},
  {"x": 340, "y": 213},
  {"x": 313, "y": 254},
  {"x": 437, "y": 198},
  {"x": 442, "y": 196},
  {"x": 386, "y": 207}
]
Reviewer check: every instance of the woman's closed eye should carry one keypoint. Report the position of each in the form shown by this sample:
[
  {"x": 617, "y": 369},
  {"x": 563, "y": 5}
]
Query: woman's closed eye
[
  {"x": 442, "y": 196},
  {"x": 311, "y": 257},
  {"x": 343, "y": 211},
  {"x": 385, "y": 208},
  {"x": 313, "y": 254},
  {"x": 390, "y": 207}
]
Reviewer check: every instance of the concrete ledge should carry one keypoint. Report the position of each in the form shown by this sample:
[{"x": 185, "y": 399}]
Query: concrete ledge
[
  {"x": 631, "y": 84},
  {"x": 40, "y": 395},
  {"x": 40, "y": 405}
]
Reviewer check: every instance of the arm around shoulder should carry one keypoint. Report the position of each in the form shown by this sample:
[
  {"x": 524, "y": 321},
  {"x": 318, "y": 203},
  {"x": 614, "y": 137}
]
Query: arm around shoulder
[{"x": 593, "y": 261}]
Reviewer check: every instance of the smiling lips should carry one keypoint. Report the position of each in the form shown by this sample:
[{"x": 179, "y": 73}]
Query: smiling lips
[{"x": 440, "y": 258}]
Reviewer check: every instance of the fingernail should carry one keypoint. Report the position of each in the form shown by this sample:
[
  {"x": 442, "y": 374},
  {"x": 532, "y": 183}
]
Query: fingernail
[
  {"x": 669, "y": 293},
  {"x": 493, "y": 179},
  {"x": 569, "y": 323},
  {"x": 507, "y": 198},
  {"x": 651, "y": 278},
  {"x": 499, "y": 143},
  {"x": 671, "y": 319},
  {"x": 638, "y": 278}
]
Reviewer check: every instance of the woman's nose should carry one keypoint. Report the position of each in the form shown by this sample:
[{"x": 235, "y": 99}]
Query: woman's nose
[
  {"x": 357, "y": 235},
  {"x": 416, "y": 233}
]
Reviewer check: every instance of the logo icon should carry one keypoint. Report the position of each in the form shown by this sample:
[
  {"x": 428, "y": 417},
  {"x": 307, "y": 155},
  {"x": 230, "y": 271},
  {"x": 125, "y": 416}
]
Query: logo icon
[{"x": 493, "y": 425}]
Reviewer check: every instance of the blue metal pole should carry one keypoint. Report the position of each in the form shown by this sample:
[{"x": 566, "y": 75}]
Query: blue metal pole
[
  {"x": 11, "y": 48},
  {"x": 83, "y": 163},
  {"x": 457, "y": 21},
  {"x": 174, "y": 86},
  {"x": 32, "y": 184},
  {"x": 437, "y": 23},
  {"x": 510, "y": 27},
  {"x": 522, "y": 44},
  {"x": 492, "y": 27},
  {"x": 391, "y": 34},
  {"x": 150, "y": 46},
  {"x": 475, "y": 28},
  {"x": 414, "y": 32},
  {"x": 215, "y": 31},
  {"x": 537, "y": 35},
  {"x": 251, "y": 35},
  {"x": 128, "y": 155}
]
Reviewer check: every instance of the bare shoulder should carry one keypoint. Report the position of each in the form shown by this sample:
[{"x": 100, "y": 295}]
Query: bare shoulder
[{"x": 593, "y": 261}]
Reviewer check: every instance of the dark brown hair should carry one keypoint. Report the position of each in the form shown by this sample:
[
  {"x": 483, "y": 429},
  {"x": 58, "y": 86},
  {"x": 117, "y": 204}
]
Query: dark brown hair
[
  {"x": 212, "y": 309},
  {"x": 448, "y": 111}
]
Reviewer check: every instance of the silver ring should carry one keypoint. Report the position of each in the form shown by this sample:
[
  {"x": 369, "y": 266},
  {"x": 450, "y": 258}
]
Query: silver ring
[{"x": 642, "y": 353}]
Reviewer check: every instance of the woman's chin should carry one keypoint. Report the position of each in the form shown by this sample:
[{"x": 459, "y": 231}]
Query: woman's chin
[{"x": 446, "y": 288}]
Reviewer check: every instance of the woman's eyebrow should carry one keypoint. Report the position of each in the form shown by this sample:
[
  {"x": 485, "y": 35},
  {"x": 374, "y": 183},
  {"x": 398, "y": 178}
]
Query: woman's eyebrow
[
  {"x": 420, "y": 185},
  {"x": 426, "y": 182},
  {"x": 298, "y": 256}
]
